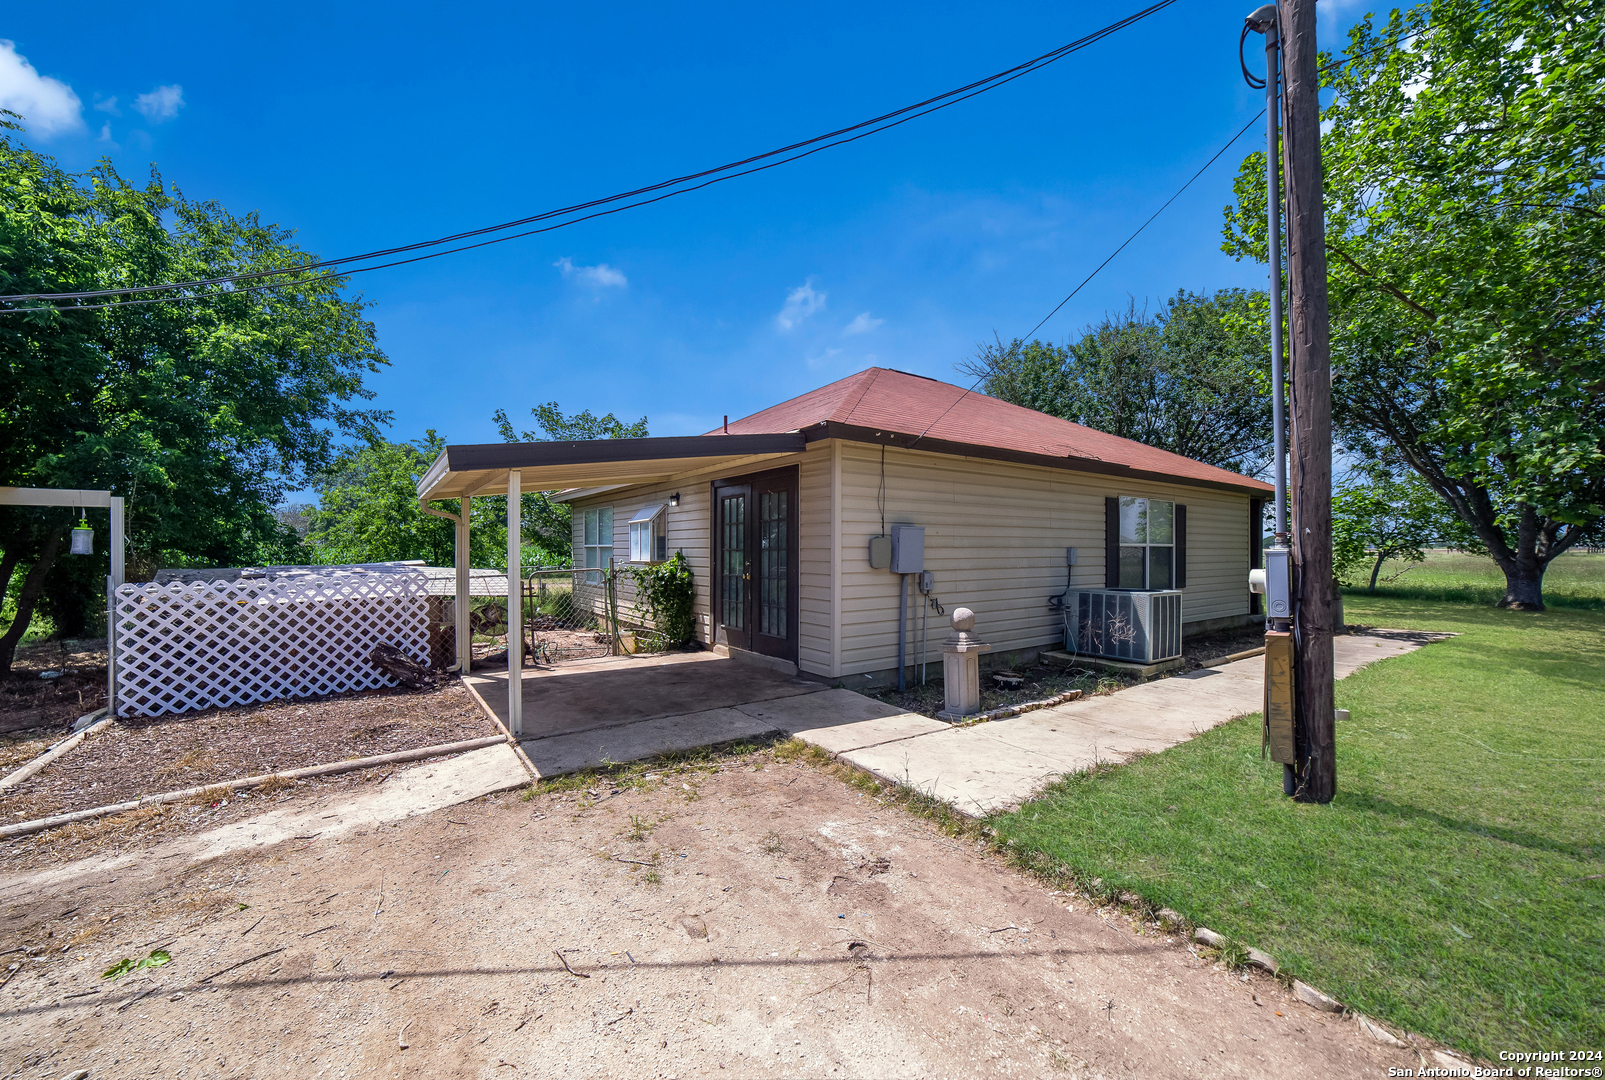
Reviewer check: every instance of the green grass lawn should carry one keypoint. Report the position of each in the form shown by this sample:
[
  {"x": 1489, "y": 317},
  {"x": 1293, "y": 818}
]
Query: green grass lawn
[
  {"x": 1456, "y": 887},
  {"x": 1574, "y": 580}
]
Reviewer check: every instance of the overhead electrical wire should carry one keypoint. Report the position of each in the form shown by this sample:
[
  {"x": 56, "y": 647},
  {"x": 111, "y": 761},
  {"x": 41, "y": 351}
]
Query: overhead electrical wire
[
  {"x": 1123, "y": 245},
  {"x": 668, "y": 188},
  {"x": 1330, "y": 65}
]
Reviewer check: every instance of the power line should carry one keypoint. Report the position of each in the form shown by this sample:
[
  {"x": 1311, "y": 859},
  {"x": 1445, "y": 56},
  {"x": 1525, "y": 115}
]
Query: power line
[
  {"x": 1330, "y": 65},
  {"x": 1124, "y": 244},
  {"x": 770, "y": 159}
]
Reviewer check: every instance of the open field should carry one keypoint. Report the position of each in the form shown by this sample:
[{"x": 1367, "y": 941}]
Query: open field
[
  {"x": 1574, "y": 580},
  {"x": 1456, "y": 887}
]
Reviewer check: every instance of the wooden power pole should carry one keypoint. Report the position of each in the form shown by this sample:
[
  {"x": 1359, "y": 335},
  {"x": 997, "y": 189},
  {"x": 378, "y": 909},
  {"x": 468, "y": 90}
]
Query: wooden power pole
[{"x": 1316, "y": 608}]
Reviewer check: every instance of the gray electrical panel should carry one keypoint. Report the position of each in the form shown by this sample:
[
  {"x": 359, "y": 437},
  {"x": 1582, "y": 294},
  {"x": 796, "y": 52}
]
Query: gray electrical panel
[
  {"x": 908, "y": 549},
  {"x": 1278, "y": 595}
]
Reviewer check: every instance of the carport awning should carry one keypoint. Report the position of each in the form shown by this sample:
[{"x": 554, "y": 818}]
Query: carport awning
[{"x": 483, "y": 468}]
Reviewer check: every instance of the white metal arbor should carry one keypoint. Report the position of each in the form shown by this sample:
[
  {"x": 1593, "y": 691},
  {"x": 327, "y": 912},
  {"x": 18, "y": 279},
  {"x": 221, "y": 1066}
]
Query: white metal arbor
[{"x": 85, "y": 499}]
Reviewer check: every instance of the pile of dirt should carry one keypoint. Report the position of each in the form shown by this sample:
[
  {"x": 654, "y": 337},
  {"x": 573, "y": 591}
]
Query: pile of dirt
[
  {"x": 138, "y": 757},
  {"x": 32, "y": 699}
]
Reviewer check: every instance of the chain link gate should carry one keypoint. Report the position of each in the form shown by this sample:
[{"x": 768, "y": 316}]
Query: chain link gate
[{"x": 570, "y": 614}]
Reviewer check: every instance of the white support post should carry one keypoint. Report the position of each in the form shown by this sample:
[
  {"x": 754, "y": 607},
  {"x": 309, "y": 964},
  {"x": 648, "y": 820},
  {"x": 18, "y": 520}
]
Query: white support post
[
  {"x": 515, "y": 603},
  {"x": 465, "y": 644},
  {"x": 118, "y": 571},
  {"x": 117, "y": 543}
]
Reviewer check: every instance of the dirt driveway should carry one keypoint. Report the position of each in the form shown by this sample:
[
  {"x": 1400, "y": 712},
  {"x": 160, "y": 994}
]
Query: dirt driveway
[{"x": 755, "y": 918}]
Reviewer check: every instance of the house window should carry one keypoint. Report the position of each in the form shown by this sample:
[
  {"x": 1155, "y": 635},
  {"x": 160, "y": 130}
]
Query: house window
[
  {"x": 598, "y": 540},
  {"x": 1147, "y": 544},
  {"x": 649, "y": 539}
]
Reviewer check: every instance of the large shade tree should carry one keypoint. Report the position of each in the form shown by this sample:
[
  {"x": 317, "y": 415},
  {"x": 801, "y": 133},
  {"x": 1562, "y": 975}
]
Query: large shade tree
[
  {"x": 1193, "y": 380},
  {"x": 201, "y": 409},
  {"x": 1464, "y": 158}
]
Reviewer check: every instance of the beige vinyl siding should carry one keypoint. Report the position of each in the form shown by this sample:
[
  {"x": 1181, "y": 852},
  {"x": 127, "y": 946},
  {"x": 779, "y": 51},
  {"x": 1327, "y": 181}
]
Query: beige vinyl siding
[
  {"x": 687, "y": 531},
  {"x": 995, "y": 534},
  {"x": 814, "y": 560}
]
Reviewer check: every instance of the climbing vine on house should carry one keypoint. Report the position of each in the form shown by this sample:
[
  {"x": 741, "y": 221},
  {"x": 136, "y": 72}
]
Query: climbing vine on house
[{"x": 666, "y": 597}]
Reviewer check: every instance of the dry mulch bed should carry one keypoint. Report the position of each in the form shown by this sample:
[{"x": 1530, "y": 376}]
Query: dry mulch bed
[
  {"x": 41, "y": 707},
  {"x": 1043, "y": 680},
  {"x": 139, "y": 757}
]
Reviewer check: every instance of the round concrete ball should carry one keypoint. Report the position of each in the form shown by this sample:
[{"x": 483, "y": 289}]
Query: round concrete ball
[{"x": 963, "y": 619}]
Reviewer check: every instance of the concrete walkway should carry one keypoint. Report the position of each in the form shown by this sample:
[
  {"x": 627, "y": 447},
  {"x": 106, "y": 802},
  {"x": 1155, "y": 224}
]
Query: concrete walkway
[
  {"x": 997, "y": 765},
  {"x": 422, "y": 789},
  {"x": 627, "y": 709}
]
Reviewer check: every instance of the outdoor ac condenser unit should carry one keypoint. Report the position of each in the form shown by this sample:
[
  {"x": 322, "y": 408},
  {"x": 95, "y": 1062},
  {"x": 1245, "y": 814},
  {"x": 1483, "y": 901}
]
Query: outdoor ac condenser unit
[{"x": 1140, "y": 627}]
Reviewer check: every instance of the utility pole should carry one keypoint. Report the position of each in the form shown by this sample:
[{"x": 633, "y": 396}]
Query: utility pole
[
  {"x": 1312, "y": 404},
  {"x": 1297, "y": 580}
]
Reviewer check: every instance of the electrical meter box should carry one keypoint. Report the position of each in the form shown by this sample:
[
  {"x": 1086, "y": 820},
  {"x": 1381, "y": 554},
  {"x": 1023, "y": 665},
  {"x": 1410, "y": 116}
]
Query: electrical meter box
[
  {"x": 1278, "y": 595},
  {"x": 908, "y": 549}
]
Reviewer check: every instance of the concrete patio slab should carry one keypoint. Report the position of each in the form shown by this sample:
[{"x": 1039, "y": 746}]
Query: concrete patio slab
[
  {"x": 840, "y": 720},
  {"x": 617, "y": 744},
  {"x": 584, "y": 694}
]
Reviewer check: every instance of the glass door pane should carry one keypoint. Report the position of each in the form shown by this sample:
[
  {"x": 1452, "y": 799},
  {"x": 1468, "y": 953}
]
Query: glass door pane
[
  {"x": 733, "y": 571},
  {"x": 774, "y": 583}
]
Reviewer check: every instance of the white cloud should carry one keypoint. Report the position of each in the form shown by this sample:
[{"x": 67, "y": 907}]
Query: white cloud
[
  {"x": 816, "y": 362},
  {"x": 600, "y": 276},
  {"x": 861, "y": 325},
  {"x": 161, "y": 103},
  {"x": 108, "y": 105},
  {"x": 48, "y": 105},
  {"x": 105, "y": 133},
  {"x": 800, "y": 303}
]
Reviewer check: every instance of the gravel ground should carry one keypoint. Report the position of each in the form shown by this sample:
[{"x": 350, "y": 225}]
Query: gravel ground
[
  {"x": 147, "y": 756},
  {"x": 749, "y": 916}
]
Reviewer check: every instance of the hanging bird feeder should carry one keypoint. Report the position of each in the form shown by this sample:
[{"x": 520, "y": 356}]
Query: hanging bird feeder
[{"x": 83, "y": 538}]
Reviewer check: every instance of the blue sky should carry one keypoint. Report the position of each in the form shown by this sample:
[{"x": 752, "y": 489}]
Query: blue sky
[{"x": 362, "y": 127}]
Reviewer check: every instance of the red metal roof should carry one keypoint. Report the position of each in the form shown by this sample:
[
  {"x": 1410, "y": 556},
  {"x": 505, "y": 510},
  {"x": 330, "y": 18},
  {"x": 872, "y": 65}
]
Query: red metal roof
[{"x": 895, "y": 401}]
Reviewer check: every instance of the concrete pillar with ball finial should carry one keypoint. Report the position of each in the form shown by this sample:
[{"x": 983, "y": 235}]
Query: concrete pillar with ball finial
[{"x": 961, "y": 668}]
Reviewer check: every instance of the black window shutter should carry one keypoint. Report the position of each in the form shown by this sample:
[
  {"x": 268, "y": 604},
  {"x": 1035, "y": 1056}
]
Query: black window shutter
[
  {"x": 1181, "y": 546},
  {"x": 1256, "y": 517},
  {"x": 1111, "y": 543}
]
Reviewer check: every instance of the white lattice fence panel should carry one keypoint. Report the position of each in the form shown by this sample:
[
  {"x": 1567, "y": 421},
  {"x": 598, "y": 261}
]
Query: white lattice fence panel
[{"x": 215, "y": 644}]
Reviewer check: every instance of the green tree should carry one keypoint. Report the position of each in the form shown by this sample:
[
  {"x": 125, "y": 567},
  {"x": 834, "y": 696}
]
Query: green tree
[
  {"x": 548, "y": 526},
  {"x": 1382, "y": 512},
  {"x": 557, "y": 426},
  {"x": 1464, "y": 157},
  {"x": 1194, "y": 380},
  {"x": 368, "y": 506},
  {"x": 201, "y": 410}
]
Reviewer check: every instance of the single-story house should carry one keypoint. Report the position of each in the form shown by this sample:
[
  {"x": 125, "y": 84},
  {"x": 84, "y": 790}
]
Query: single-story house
[{"x": 776, "y": 513}]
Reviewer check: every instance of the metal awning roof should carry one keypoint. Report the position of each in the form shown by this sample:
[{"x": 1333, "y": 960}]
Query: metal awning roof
[{"x": 482, "y": 468}]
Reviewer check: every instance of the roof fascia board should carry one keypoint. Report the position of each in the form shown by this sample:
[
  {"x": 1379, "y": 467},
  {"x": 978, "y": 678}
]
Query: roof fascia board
[
  {"x": 830, "y": 429},
  {"x": 476, "y": 456}
]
